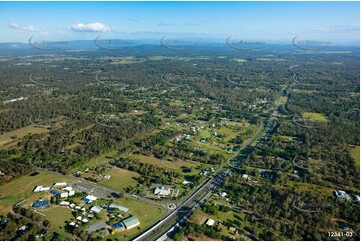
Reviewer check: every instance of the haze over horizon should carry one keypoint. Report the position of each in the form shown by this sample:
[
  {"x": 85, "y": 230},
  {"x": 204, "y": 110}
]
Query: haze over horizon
[{"x": 270, "y": 21}]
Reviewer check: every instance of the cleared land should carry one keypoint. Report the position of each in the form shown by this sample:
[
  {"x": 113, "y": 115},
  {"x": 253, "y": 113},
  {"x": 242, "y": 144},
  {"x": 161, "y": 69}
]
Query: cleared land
[
  {"x": 355, "y": 153},
  {"x": 18, "y": 134},
  {"x": 317, "y": 117},
  {"x": 120, "y": 179},
  {"x": 58, "y": 217}
]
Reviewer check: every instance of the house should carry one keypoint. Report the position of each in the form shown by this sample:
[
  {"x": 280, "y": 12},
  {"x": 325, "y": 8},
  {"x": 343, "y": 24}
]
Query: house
[
  {"x": 131, "y": 222},
  {"x": 116, "y": 206},
  {"x": 67, "y": 189},
  {"x": 162, "y": 191},
  {"x": 64, "y": 203},
  {"x": 72, "y": 224},
  {"x": 84, "y": 220},
  {"x": 96, "y": 209},
  {"x": 185, "y": 183},
  {"x": 342, "y": 194},
  {"x": 223, "y": 194},
  {"x": 203, "y": 140},
  {"x": 41, "y": 189},
  {"x": 72, "y": 205},
  {"x": 54, "y": 192},
  {"x": 89, "y": 199},
  {"x": 41, "y": 234},
  {"x": 41, "y": 203},
  {"x": 60, "y": 184},
  {"x": 64, "y": 195},
  {"x": 204, "y": 173},
  {"x": 245, "y": 176},
  {"x": 23, "y": 228},
  {"x": 79, "y": 218},
  {"x": 356, "y": 198},
  {"x": 210, "y": 222},
  {"x": 107, "y": 177},
  {"x": 233, "y": 230},
  {"x": 118, "y": 227}
]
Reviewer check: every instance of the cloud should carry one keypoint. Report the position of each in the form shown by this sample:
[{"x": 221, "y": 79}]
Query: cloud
[
  {"x": 29, "y": 28},
  {"x": 166, "y": 24},
  {"x": 92, "y": 27}
]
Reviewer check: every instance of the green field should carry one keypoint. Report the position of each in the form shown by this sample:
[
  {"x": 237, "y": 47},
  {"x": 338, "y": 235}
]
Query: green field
[
  {"x": 176, "y": 165},
  {"x": 22, "y": 188},
  {"x": 58, "y": 217},
  {"x": 355, "y": 153},
  {"x": 18, "y": 134},
  {"x": 317, "y": 117},
  {"x": 120, "y": 179}
]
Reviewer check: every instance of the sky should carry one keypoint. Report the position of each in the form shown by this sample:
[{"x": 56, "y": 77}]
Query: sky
[{"x": 65, "y": 21}]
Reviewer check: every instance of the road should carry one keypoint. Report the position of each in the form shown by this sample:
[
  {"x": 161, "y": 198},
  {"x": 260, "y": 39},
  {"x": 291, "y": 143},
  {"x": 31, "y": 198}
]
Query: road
[{"x": 161, "y": 228}]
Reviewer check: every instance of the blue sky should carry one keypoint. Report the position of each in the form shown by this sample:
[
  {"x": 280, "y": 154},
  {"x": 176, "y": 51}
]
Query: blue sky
[{"x": 334, "y": 21}]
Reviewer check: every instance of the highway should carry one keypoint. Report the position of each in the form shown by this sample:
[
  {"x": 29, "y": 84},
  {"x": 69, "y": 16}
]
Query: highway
[{"x": 162, "y": 227}]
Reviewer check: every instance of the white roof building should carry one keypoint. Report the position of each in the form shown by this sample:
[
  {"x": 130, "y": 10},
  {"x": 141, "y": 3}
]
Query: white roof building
[
  {"x": 342, "y": 194},
  {"x": 223, "y": 194},
  {"x": 107, "y": 177},
  {"x": 210, "y": 222},
  {"x": 64, "y": 195},
  {"x": 79, "y": 218},
  {"x": 64, "y": 203},
  {"x": 162, "y": 191},
  {"x": 185, "y": 182},
  {"x": 41, "y": 189},
  {"x": 60, "y": 184},
  {"x": 23, "y": 228},
  {"x": 91, "y": 198},
  {"x": 84, "y": 220},
  {"x": 67, "y": 189},
  {"x": 121, "y": 208},
  {"x": 96, "y": 209}
]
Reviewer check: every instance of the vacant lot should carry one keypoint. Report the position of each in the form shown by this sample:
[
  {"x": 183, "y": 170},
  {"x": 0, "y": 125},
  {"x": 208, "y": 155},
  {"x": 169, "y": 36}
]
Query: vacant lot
[
  {"x": 317, "y": 117},
  {"x": 120, "y": 179},
  {"x": 355, "y": 153},
  {"x": 174, "y": 165},
  {"x": 58, "y": 217},
  {"x": 18, "y": 134}
]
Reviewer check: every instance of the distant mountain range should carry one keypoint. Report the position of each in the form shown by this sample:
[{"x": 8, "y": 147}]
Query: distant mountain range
[{"x": 89, "y": 45}]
